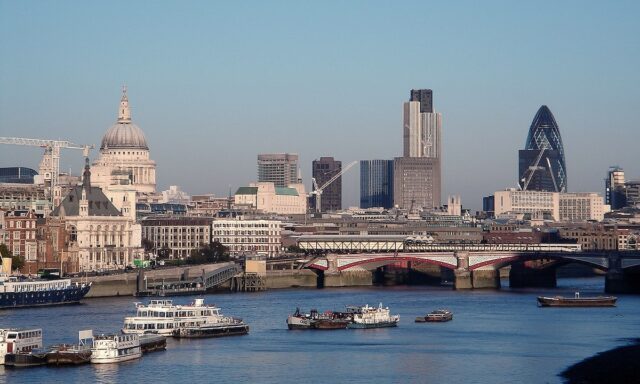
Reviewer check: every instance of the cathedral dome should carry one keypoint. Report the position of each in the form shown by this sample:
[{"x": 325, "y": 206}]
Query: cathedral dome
[{"x": 124, "y": 134}]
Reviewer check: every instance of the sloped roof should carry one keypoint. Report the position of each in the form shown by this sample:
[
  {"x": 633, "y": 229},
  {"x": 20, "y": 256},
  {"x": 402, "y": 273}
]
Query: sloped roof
[
  {"x": 286, "y": 191},
  {"x": 99, "y": 204},
  {"x": 247, "y": 191}
]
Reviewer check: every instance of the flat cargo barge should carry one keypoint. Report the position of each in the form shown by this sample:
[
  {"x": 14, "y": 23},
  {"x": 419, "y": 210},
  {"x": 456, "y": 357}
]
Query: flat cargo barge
[{"x": 577, "y": 301}]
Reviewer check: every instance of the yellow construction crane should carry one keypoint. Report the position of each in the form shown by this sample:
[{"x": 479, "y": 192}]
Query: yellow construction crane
[{"x": 51, "y": 153}]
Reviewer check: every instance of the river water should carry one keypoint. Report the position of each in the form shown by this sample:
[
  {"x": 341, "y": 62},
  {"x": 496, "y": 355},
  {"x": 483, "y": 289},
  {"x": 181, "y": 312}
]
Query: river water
[{"x": 497, "y": 336}]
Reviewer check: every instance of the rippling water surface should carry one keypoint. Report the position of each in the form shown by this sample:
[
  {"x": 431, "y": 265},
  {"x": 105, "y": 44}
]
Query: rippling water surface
[{"x": 496, "y": 336}]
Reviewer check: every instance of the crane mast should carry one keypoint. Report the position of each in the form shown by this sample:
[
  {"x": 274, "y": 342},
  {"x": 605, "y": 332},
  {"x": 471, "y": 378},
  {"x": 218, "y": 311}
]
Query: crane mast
[
  {"x": 52, "y": 154},
  {"x": 318, "y": 190}
]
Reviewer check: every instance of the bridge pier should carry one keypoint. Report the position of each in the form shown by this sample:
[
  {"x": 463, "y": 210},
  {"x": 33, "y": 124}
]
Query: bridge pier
[
  {"x": 485, "y": 278},
  {"x": 523, "y": 275},
  {"x": 462, "y": 275},
  {"x": 617, "y": 280}
]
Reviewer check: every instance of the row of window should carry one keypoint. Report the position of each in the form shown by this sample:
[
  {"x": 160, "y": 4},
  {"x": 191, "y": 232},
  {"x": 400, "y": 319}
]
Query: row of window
[{"x": 18, "y": 223}]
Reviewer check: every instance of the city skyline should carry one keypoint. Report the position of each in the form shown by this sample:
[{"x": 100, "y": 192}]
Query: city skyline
[{"x": 189, "y": 86}]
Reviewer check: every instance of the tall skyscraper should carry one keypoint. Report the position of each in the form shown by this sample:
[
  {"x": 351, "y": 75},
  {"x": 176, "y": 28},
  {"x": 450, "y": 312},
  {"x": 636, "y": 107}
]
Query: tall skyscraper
[
  {"x": 376, "y": 183},
  {"x": 278, "y": 168},
  {"x": 323, "y": 170},
  {"x": 417, "y": 176},
  {"x": 615, "y": 193},
  {"x": 541, "y": 163}
]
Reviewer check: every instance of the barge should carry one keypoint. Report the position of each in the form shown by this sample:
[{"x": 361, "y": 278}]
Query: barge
[{"x": 577, "y": 301}]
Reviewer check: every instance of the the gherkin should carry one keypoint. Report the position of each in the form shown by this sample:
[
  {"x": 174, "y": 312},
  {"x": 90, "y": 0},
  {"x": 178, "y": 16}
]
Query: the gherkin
[{"x": 542, "y": 165}]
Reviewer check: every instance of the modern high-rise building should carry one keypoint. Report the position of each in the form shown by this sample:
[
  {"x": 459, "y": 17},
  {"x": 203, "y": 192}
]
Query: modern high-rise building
[
  {"x": 541, "y": 163},
  {"x": 422, "y": 126},
  {"x": 416, "y": 182},
  {"x": 280, "y": 169},
  {"x": 322, "y": 171},
  {"x": 615, "y": 189},
  {"x": 417, "y": 175},
  {"x": 376, "y": 183}
]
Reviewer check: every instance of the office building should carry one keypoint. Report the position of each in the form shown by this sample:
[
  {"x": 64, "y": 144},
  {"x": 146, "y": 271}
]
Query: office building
[
  {"x": 175, "y": 238},
  {"x": 416, "y": 182},
  {"x": 17, "y": 175},
  {"x": 376, "y": 183},
  {"x": 554, "y": 206},
  {"x": 615, "y": 188},
  {"x": 322, "y": 171},
  {"x": 280, "y": 169},
  {"x": 417, "y": 175},
  {"x": 542, "y": 163},
  {"x": 249, "y": 237},
  {"x": 268, "y": 198}
]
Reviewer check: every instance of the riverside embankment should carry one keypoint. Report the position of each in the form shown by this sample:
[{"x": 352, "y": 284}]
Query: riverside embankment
[{"x": 125, "y": 284}]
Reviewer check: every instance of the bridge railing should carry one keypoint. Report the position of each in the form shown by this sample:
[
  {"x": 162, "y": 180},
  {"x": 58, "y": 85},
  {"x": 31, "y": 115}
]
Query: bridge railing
[{"x": 385, "y": 246}]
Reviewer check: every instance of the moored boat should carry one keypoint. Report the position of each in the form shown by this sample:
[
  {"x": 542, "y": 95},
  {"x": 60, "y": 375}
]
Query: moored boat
[
  {"x": 371, "y": 317},
  {"x": 150, "y": 342},
  {"x": 212, "y": 330},
  {"x": 438, "y": 316},
  {"x": 316, "y": 320},
  {"x": 15, "y": 293},
  {"x": 72, "y": 354},
  {"x": 14, "y": 341},
  {"x": 577, "y": 301},
  {"x": 163, "y": 317},
  {"x": 33, "y": 358},
  {"x": 115, "y": 348}
]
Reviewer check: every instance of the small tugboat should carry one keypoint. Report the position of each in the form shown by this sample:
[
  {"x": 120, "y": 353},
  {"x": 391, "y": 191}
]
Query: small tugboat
[
  {"x": 19, "y": 341},
  {"x": 115, "y": 348},
  {"x": 300, "y": 320},
  {"x": 316, "y": 320},
  {"x": 371, "y": 317},
  {"x": 577, "y": 301},
  {"x": 437, "y": 316}
]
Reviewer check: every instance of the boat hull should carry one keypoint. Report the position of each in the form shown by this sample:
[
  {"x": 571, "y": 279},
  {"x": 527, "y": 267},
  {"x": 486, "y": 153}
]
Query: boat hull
[
  {"x": 330, "y": 324},
  {"x": 21, "y": 360},
  {"x": 71, "y": 295},
  {"x": 215, "y": 331},
  {"x": 119, "y": 359},
  {"x": 150, "y": 343},
  {"x": 384, "y": 324},
  {"x": 603, "y": 301},
  {"x": 72, "y": 357}
]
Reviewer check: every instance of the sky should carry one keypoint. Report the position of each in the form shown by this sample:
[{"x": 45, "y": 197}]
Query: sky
[{"x": 212, "y": 84}]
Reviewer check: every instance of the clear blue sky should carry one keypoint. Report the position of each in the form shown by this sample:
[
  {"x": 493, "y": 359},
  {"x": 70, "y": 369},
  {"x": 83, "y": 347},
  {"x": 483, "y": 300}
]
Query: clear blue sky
[{"x": 213, "y": 84}]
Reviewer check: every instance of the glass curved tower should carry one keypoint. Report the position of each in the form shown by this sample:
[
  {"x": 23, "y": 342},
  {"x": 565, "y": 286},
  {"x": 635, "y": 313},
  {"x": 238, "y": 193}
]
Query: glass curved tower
[{"x": 542, "y": 165}]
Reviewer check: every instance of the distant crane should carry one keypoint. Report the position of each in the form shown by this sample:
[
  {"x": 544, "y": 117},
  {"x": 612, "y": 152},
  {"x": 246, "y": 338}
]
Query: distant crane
[
  {"x": 317, "y": 191},
  {"x": 51, "y": 153}
]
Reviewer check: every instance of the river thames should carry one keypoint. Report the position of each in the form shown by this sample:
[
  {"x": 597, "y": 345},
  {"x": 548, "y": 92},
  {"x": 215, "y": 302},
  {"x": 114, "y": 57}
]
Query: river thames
[{"x": 497, "y": 336}]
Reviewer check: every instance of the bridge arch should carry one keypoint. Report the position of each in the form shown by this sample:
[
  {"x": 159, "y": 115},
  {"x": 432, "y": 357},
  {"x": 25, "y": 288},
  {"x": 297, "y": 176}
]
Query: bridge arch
[
  {"x": 382, "y": 261},
  {"x": 500, "y": 262}
]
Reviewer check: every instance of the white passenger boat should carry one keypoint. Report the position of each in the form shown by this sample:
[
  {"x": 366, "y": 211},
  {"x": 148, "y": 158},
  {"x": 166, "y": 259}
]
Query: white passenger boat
[
  {"x": 371, "y": 317},
  {"x": 14, "y": 341},
  {"x": 115, "y": 348},
  {"x": 163, "y": 317}
]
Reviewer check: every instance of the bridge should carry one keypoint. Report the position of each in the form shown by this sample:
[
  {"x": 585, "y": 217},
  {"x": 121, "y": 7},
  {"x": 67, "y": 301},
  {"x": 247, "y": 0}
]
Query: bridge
[{"x": 473, "y": 265}]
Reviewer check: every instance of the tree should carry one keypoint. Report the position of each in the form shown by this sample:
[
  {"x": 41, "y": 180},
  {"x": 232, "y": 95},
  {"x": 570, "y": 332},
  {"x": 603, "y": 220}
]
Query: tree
[
  {"x": 209, "y": 253},
  {"x": 17, "y": 262},
  {"x": 147, "y": 244}
]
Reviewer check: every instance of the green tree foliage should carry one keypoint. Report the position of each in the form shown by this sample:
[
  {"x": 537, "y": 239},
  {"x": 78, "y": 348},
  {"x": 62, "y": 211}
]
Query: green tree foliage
[
  {"x": 17, "y": 262},
  {"x": 209, "y": 253}
]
